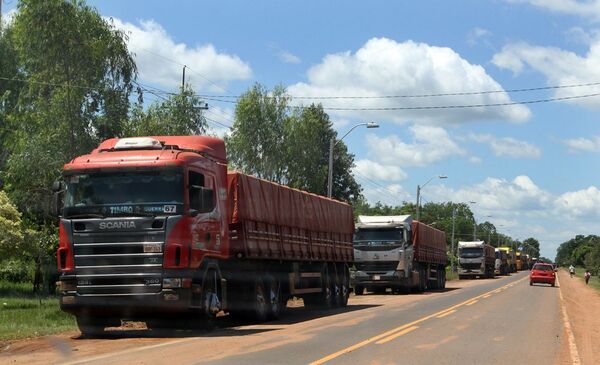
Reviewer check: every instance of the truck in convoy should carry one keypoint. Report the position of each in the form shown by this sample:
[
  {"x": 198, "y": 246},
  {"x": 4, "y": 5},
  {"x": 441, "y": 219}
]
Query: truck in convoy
[
  {"x": 511, "y": 258},
  {"x": 519, "y": 262},
  {"x": 476, "y": 259},
  {"x": 501, "y": 266},
  {"x": 398, "y": 252},
  {"x": 156, "y": 229}
]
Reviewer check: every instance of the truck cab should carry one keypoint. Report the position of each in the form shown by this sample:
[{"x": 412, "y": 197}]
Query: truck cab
[
  {"x": 382, "y": 251},
  {"x": 475, "y": 259}
]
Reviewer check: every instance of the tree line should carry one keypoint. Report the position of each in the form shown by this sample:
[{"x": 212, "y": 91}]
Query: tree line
[{"x": 580, "y": 251}]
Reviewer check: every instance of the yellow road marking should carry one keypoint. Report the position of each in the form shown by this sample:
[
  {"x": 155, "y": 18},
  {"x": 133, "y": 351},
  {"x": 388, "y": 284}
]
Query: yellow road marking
[
  {"x": 396, "y": 335},
  {"x": 446, "y": 314},
  {"x": 400, "y": 328},
  {"x": 486, "y": 296},
  {"x": 472, "y": 302}
]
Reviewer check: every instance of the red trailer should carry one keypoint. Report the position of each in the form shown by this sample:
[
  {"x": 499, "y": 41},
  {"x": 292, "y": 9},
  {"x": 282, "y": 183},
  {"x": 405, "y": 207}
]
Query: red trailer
[{"x": 154, "y": 228}]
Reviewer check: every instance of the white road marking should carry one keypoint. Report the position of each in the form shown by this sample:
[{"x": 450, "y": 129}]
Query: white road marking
[{"x": 572, "y": 344}]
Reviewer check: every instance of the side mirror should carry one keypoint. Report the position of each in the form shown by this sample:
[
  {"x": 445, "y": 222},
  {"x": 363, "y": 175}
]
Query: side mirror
[{"x": 58, "y": 188}]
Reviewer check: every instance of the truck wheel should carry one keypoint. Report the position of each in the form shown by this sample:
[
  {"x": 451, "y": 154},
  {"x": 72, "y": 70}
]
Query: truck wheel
[
  {"x": 379, "y": 290},
  {"x": 342, "y": 286},
  {"x": 444, "y": 279},
  {"x": 211, "y": 302},
  {"x": 260, "y": 301},
  {"x": 274, "y": 296},
  {"x": 93, "y": 327},
  {"x": 359, "y": 290}
]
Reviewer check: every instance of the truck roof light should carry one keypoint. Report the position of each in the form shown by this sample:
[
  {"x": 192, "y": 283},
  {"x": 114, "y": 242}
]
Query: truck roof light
[{"x": 138, "y": 143}]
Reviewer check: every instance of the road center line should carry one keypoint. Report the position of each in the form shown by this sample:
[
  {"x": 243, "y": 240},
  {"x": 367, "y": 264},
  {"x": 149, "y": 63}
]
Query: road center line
[
  {"x": 472, "y": 302},
  {"x": 446, "y": 314},
  {"x": 400, "y": 328},
  {"x": 396, "y": 335}
]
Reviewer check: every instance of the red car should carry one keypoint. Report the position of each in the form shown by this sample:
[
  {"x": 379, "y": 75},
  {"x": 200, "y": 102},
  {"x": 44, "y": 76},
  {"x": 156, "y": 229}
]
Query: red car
[{"x": 542, "y": 273}]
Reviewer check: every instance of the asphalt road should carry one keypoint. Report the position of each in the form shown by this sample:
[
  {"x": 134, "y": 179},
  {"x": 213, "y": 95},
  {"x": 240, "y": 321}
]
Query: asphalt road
[{"x": 497, "y": 321}]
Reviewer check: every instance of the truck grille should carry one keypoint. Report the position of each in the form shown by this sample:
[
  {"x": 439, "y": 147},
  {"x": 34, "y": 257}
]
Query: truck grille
[
  {"x": 471, "y": 266},
  {"x": 115, "y": 263},
  {"x": 377, "y": 266}
]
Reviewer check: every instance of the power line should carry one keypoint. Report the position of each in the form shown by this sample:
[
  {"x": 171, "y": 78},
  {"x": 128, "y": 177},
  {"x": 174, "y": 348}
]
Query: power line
[{"x": 460, "y": 93}]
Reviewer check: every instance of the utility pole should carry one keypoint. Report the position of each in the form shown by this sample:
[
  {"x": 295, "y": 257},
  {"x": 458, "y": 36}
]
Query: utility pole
[
  {"x": 452, "y": 249},
  {"x": 418, "y": 202},
  {"x": 183, "y": 79}
]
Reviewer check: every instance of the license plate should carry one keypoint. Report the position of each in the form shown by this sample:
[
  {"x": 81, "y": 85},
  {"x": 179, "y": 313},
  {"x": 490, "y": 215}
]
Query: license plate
[{"x": 376, "y": 277}]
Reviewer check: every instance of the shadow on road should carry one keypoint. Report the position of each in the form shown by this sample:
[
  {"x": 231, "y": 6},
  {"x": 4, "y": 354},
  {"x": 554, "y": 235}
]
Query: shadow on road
[{"x": 224, "y": 326}]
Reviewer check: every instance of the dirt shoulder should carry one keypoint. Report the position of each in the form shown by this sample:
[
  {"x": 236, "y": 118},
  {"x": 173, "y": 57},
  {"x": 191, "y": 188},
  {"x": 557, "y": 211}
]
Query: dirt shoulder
[{"x": 583, "y": 308}]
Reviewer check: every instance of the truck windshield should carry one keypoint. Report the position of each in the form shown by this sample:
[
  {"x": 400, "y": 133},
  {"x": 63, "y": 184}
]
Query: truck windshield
[
  {"x": 378, "y": 237},
  {"x": 124, "y": 193},
  {"x": 471, "y": 252}
]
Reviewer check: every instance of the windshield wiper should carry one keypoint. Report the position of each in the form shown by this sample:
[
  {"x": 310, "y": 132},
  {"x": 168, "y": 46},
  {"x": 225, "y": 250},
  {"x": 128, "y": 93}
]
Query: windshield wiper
[{"x": 86, "y": 215}]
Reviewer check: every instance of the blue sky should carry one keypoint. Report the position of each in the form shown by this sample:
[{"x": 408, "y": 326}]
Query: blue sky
[{"x": 532, "y": 168}]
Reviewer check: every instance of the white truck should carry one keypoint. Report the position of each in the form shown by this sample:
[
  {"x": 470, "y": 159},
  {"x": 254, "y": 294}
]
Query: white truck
[
  {"x": 399, "y": 253},
  {"x": 476, "y": 259}
]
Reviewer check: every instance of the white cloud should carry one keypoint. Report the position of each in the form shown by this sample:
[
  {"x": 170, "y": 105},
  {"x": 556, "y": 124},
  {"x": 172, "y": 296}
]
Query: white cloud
[
  {"x": 8, "y": 17},
  {"x": 375, "y": 171},
  {"x": 583, "y": 144},
  {"x": 476, "y": 34},
  {"x": 498, "y": 195},
  {"x": 392, "y": 194},
  {"x": 508, "y": 146},
  {"x": 560, "y": 67},
  {"x": 586, "y": 8},
  {"x": 580, "y": 203},
  {"x": 430, "y": 144},
  {"x": 383, "y": 66},
  {"x": 288, "y": 57},
  {"x": 154, "y": 48}
]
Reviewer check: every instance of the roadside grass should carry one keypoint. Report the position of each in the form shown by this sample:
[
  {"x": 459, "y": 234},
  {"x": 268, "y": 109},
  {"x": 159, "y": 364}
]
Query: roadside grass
[
  {"x": 23, "y": 314},
  {"x": 594, "y": 280},
  {"x": 451, "y": 275}
]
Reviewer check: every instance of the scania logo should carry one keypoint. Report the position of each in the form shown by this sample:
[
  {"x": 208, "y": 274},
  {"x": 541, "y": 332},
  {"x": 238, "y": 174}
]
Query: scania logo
[{"x": 117, "y": 225}]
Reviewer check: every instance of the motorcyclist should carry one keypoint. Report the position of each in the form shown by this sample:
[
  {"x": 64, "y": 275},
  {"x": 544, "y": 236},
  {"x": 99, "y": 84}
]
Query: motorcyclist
[{"x": 571, "y": 270}]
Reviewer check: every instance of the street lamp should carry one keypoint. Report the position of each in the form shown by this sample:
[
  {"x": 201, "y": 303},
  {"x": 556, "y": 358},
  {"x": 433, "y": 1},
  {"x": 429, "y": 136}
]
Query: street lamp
[
  {"x": 332, "y": 143},
  {"x": 474, "y": 223},
  {"x": 419, "y": 187}
]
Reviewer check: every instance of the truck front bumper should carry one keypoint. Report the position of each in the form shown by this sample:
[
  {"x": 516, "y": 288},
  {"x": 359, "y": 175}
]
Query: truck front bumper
[{"x": 379, "y": 279}]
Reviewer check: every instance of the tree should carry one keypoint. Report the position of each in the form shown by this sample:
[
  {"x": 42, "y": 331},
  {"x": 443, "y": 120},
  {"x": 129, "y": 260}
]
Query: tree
[
  {"x": 79, "y": 78},
  {"x": 290, "y": 148},
  {"x": 11, "y": 235},
  {"x": 179, "y": 114},
  {"x": 307, "y": 167},
  {"x": 533, "y": 245},
  {"x": 256, "y": 144}
]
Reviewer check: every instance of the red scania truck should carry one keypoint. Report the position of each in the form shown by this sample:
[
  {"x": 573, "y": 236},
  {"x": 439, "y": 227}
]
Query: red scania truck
[{"x": 156, "y": 229}]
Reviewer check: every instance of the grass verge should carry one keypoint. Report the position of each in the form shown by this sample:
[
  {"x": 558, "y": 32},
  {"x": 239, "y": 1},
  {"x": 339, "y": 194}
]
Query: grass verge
[
  {"x": 451, "y": 275},
  {"x": 594, "y": 280},
  {"x": 23, "y": 314}
]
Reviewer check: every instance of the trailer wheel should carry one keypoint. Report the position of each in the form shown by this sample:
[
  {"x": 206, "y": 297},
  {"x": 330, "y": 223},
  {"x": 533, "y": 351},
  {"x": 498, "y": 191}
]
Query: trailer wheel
[
  {"x": 359, "y": 290},
  {"x": 260, "y": 301},
  {"x": 325, "y": 299},
  {"x": 344, "y": 275},
  {"x": 275, "y": 302}
]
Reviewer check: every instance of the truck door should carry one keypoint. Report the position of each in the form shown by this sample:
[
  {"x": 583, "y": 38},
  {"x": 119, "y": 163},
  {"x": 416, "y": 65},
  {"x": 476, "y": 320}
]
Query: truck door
[{"x": 206, "y": 224}]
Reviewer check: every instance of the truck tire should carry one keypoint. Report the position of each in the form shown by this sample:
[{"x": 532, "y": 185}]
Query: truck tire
[
  {"x": 94, "y": 327},
  {"x": 211, "y": 301},
  {"x": 444, "y": 279},
  {"x": 379, "y": 290},
  {"x": 260, "y": 307},
  {"x": 343, "y": 277},
  {"x": 359, "y": 290},
  {"x": 274, "y": 296},
  {"x": 326, "y": 298}
]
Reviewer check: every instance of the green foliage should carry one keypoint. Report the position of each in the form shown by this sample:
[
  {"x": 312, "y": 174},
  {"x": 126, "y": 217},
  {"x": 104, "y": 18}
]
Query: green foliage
[
  {"x": 79, "y": 77},
  {"x": 15, "y": 271},
  {"x": 289, "y": 148},
  {"x": 179, "y": 114},
  {"x": 11, "y": 235},
  {"x": 592, "y": 260},
  {"x": 256, "y": 145}
]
